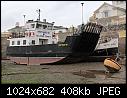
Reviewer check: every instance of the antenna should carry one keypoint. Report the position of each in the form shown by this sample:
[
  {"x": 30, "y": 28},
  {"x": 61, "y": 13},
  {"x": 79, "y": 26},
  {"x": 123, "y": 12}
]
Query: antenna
[
  {"x": 38, "y": 11},
  {"x": 82, "y": 12},
  {"x": 24, "y": 19}
]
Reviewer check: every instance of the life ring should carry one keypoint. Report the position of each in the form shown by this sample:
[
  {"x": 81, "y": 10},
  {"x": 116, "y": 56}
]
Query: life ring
[
  {"x": 111, "y": 65},
  {"x": 31, "y": 34}
]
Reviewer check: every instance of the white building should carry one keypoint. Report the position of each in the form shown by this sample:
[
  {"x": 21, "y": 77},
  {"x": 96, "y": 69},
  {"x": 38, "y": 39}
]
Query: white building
[
  {"x": 121, "y": 4},
  {"x": 107, "y": 10},
  {"x": 60, "y": 29},
  {"x": 110, "y": 14}
]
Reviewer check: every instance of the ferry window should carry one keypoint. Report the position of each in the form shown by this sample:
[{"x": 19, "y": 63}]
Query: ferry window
[
  {"x": 18, "y": 42},
  {"x": 106, "y": 14},
  {"x": 50, "y": 27},
  {"x": 53, "y": 42},
  {"x": 13, "y": 42},
  {"x": 24, "y": 42},
  {"x": 121, "y": 1},
  {"x": 33, "y": 42},
  {"x": 60, "y": 32},
  {"x": 42, "y": 42},
  {"x": 44, "y": 26},
  {"x": 32, "y": 25},
  {"x": 38, "y": 25}
]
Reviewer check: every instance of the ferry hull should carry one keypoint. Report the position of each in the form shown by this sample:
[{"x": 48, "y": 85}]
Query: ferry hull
[
  {"x": 35, "y": 60},
  {"x": 39, "y": 59},
  {"x": 75, "y": 48}
]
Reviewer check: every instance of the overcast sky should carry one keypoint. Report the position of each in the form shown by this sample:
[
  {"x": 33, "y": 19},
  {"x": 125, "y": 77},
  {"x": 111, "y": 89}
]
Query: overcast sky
[{"x": 63, "y": 13}]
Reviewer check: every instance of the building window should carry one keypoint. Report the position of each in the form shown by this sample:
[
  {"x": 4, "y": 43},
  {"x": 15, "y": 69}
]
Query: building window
[
  {"x": 53, "y": 42},
  {"x": 50, "y": 27},
  {"x": 33, "y": 42},
  {"x": 121, "y": 2},
  {"x": 32, "y": 25},
  {"x": 39, "y": 25},
  {"x": 13, "y": 42},
  {"x": 106, "y": 14},
  {"x": 44, "y": 26},
  {"x": 18, "y": 42},
  {"x": 42, "y": 42},
  {"x": 60, "y": 32},
  {"x": 24, "y": 42}
]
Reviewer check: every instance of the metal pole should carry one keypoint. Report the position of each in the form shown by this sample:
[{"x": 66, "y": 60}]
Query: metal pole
[
  {"x": 39, "y": 14},
  {"x": 28, "y": 48},
  {"x": 38, "y": 11},
  {"x": 82, "y": 18},
  {"x": 28, "y": 59},
  {"x": 82, "y": 12}
]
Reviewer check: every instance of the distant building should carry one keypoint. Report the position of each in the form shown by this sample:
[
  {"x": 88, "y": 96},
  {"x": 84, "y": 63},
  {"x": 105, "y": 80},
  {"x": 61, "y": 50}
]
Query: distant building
[
  {"x": 5, "y": 34},
  {"x": 121, "y": 4},
  {"x": 60, "y": 29},
  {"x": 108, "y": 14},
  {"x": 60, "y": 32},
  {"x": 4, "y": 43},
  {"x": 72, "y": 29},
  {"x": 17, "y": 30},
  {"x": 111, "y": 16}
]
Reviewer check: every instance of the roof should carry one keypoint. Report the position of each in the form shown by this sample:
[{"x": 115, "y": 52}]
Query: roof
[
  {"x": 122, "y": 9},
  {"x": 31, "y": 21},
  {"x": 17, "y": 27},
  {"x": 60, "y": 27}
]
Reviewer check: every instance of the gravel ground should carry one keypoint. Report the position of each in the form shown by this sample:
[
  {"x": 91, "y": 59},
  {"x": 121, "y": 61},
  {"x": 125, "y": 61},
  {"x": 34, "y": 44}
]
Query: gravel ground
[{"x": 80, "y": 73}]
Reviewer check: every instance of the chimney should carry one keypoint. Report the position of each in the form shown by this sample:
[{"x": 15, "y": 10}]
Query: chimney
[
  {"x": 17, "y": 24},
  {"x": 44, "y": 20}
]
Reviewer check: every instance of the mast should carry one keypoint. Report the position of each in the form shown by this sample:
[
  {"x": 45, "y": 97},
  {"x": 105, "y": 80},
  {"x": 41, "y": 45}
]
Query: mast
[
  {"x": 38, "y": 11},
  {"x": 39, "y": 14}
]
